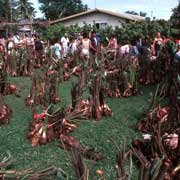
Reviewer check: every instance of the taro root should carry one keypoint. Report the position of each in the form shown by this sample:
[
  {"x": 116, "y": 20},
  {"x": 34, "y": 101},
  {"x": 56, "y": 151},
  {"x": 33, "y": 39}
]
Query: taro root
[
  {"x": 162, "y": 113},
  {"x": 69, "y": 142},
  {"x": 40, "y": 131},
  {"x": 40, "y": 134},
  {"x": 171, "y": 140},
  {"x": 29, "y": 101},
  {"x": 11, "y": 89},
  {"x": 76, "y": 71},
  {"x": 66, "y": 76}
]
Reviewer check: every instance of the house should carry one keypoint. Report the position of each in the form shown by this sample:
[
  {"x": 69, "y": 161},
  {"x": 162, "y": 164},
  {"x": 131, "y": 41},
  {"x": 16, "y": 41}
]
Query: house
[
  {"x": 99, "y": 17},
  {"x": 25, "y": 25}
]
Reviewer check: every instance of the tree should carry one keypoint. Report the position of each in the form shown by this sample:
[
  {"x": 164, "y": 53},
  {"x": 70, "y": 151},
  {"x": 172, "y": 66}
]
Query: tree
[
  {"x": 15, "y": 9},
  {"x": 25, "y": 9},
  {"x": 54, "y": 9},
  {"x": 7, "y": 8},
  {"x": 132, "y": 12},
  {"x": 143, "y": 14},
  {"x": 175, "y": 17}
]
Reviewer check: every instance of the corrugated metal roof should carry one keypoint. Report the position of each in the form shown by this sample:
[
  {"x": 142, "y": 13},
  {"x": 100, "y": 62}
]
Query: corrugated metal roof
[{"x": 120, "y": 15}]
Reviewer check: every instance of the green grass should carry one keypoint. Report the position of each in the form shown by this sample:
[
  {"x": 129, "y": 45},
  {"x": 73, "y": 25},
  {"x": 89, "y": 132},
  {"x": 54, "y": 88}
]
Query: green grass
[{"x": 13, "y": 137}]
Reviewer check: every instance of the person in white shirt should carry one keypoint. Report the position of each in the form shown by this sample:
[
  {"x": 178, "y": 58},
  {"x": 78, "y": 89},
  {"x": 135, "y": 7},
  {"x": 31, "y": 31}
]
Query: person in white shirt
[
  {"x": 65, "y": 44},
  {"x": 57, "y": 50},
  {"x": 73, "y": 45},
  {"x": 125, "y": 49},
  {"x": 16, "y": 38}
]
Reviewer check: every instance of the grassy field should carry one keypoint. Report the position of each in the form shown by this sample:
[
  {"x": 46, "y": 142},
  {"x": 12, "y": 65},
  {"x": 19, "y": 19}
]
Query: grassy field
[{"x": 13, "y": 137}]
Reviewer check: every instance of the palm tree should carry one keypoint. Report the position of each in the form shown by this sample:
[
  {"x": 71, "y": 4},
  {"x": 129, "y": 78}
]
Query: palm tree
[{"x": 25, "y": 9}]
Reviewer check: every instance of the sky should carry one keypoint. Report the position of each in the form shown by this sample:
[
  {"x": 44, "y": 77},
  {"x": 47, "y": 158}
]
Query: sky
[{"x": 161, "y": 9}]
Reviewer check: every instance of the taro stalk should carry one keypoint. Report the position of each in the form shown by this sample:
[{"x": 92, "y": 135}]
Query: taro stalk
[
  {"x": 12, "y": 58},
  {"x": 94, "y": 91},
  {"x": 37, "y": 89},
  {"x": 5, "y": 112},
  {"x": 77, "y": 89},
  {"x": 145, "y": 164},
  {"x": 76, "y": 98},
  {"x": 29, "y": 61},
  {"x": 133, "y": 78},
  {"x": 61, "y": 67},
  {"x": 83, "y": 76},
  {"x": 81, "y": 171},
  {"x": 121, "y": 158},
  {"x": 95, "y": 86},
  {"x": 7, "y": 173},
  {"x": 51, "y": 86}
]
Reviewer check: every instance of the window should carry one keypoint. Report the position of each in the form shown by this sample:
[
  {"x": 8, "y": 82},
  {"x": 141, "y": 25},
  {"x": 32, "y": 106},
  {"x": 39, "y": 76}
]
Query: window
[{"x": 101, "y": 25}]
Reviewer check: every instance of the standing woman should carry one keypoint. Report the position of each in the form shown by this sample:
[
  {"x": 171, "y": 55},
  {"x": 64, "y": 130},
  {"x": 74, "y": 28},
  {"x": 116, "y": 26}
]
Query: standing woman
[
  {"x": 113, "y": 45},
  {"x": 86, "y": 45},
  {"x": 157, "y": 44}
]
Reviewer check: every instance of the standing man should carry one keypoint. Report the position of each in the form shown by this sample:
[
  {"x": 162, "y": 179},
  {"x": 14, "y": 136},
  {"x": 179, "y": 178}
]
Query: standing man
[
  {"x": 38, "y": 51},
  {"x": 65, "y": 44},
  {"x": 94, "y": 41}
]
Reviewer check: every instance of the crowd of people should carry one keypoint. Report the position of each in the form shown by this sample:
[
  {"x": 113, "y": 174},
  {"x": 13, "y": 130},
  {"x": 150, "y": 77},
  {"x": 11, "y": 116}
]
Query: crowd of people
[{"x": 83, "y": 44}]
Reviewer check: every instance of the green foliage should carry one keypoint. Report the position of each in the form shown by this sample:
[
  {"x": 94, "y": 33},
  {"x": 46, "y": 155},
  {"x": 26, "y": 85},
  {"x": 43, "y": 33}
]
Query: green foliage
[
  {"x": 127, "y": 33},
  {"x": 175, "y": 17},
  {"x": 143, "y": 14},
  {"x": 175, "y": 20},
  {"x": 15, "y": 9},
  {"x": 25, "y": 9},
  {"x": 5, "y": 9},
  {"x": 54, "y": 9}
]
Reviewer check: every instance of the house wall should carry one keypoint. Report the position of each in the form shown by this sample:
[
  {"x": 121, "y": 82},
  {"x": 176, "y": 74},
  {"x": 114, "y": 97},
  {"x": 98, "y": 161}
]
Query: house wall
[{"x": 95, "y": 18}]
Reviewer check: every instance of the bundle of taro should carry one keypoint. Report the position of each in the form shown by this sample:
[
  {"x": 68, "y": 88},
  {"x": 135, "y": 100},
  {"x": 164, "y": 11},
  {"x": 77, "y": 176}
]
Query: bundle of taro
[
  {"x": 25, "y": 60},
  {"x": 149, "y": 67},
  {"x": 35, "y": 97},
  {"x": 6, "y": 87},
  {"x": 44, "y": 89},
  {"x": 153, "y": 69},
  {"x": 50, "y": 125},
  {"x": 7, "y": 173},
  {"x": 156, "y": 113},
  {"x": 159, "y": 151},
  {"x": 158, "y": 154},
  {"x": 95, "y": 106},
  {"x": 121, "y": 75},
  {"x": 5, "y": 112},
  {"x": 169, "y": 87}
]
